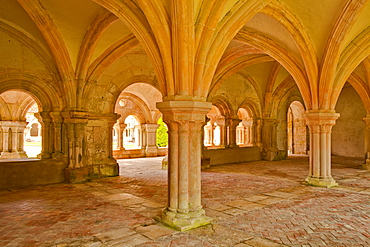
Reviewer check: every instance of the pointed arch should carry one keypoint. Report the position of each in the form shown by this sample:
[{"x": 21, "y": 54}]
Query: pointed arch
[
  {"x": 332, "y": 52},
  {"x": 362, "y": 89},
  {"x": 110, "y": 55},
  {"x": 305, "y": 46},
  {"x": 212, "y": 48},
  {"x": 224, "y": 105},
  {"x": 277, "y": 52},
  {"x": 229, "y": 68},
  {"x": 96, "y": 29},
  {"x": 356, "y": 52},
  {"x": 46, "y": 25},
  {"x": 279, "y": 93},
  {"x": 45, "y": 95},
  {"x": 129, "y": 12}
]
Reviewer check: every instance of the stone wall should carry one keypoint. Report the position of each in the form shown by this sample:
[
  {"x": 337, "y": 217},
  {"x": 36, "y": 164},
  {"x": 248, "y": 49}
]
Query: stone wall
[
  {"x": 231, "y": 155},
  {"x": 348, "y": 132},
  {"x": 21, "y": 174}
]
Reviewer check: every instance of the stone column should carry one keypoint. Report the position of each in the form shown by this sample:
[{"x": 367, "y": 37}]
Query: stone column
[
  {"x": 5, "y": 134},
  {"x": 121, "y": 136},
  {"x": 232, "y": 124},
  {"x": 320, "y": 124},
  {"x": 270, "y": 150},
  {"x": 14, "y": 141},
  {"x": 367, "y": 143},
  {"x": 44, "y": 119},
  {"x": 57, "y": 132},
  {"x": 257, "y": 133},
  {"x": 184, "y": 120},
  {"x": 150, "y": 131},
  {"x": 20, "y": 139}
]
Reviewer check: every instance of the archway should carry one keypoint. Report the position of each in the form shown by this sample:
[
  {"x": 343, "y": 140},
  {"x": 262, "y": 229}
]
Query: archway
[
  {"x": 17, "y": 119},
  {"x": 137, "y": 139},
  {"x": 132, "y": 133},
  {"x": 214, "y": 130},
  {"x": 244, "y": 131},
  {"x": 297, "y": 134}
]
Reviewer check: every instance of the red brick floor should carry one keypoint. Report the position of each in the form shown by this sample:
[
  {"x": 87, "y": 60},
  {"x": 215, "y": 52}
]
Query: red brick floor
[{"x": 253, "y": 204}]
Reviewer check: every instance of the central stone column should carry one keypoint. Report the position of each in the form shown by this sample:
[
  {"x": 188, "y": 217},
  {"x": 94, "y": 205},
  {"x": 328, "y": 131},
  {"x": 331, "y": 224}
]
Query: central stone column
[
  {"x": 184, "y": 120},
  {"x": 320, "y": 124}
]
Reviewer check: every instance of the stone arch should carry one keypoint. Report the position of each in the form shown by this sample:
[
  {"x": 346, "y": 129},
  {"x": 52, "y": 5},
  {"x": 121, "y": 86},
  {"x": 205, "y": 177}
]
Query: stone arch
[
  {"x": 45, "y": 95},
  {"x": 252, "y": 107},
  {"x": 224, "y": 105},
  {"x": 103, "y": 98},
  {"x": 281, "y": 115}
]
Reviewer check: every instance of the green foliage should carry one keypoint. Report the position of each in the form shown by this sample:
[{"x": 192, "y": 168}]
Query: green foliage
[{"x": 162, "y": 135}]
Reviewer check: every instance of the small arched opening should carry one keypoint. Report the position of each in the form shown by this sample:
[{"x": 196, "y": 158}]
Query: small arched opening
[
  {"x": 20, "y": 129},
  {"x": 214, "y": 130},
  {"x": 297, "y": 134}
]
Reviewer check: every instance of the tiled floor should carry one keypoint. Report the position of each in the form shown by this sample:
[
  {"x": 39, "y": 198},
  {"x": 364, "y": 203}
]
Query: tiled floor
[{"x": 253, "y": 204}]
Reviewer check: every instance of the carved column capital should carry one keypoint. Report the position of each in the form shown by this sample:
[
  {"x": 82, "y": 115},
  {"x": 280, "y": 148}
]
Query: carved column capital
[{"x": 321, "y": 120}]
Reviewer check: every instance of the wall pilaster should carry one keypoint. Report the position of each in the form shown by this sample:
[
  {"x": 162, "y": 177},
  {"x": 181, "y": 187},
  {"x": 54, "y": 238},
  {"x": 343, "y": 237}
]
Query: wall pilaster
[
  {"x": 366, "y": 165},
  {"x": 44, "y": 119}
]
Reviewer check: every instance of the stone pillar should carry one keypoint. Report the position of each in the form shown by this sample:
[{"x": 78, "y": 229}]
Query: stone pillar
[
  {"x": 232, "y": 124},
  {"x": 44, "y": 119},
  {"x": 320, "y": 124},
  {"x": 5, "y": 134},
  {"x": 57, "y": 133},
  {"x": 20, "y": 139},
  {"x": 366, "y": 165},
  {"x": 184, "y": 120},
  {"x": 257, "y": 133},
  {"x": 150, "y": 132},
  {"x": 269, "y": 142},
  {"x": 121, "y": 136}
]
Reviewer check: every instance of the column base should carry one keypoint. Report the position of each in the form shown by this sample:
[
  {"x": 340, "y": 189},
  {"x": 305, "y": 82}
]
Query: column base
[
  {"x": 366, "y": 166},
  {"x": 57, "y": 155},
  {"x": 10, "y": 155},
  {"x": 185, "y": 221},
  {"x": 151, "y": 151},
  {"x": 43, "y": 156},
  {"x": 321, "y": 182},
  {"x": 22, "y": 154}
]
